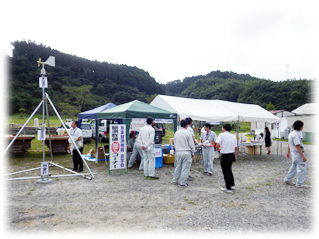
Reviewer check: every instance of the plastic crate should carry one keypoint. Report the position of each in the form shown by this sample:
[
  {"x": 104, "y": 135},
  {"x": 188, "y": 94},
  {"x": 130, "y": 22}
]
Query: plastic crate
[{"x": 159, "y": 162}]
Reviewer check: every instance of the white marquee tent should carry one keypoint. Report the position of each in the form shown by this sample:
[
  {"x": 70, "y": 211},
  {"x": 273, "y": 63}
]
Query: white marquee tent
[{"x": 213, "y": 110}]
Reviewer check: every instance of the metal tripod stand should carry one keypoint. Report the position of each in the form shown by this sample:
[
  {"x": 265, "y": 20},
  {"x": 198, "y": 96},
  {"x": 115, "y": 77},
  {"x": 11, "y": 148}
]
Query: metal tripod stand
[{"x": 44, "y": 103}]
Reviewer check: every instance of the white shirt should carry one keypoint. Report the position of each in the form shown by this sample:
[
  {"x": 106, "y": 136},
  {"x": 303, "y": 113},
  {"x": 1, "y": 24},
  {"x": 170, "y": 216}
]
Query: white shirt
[
  {"x": 258, "y": 137},
  {"x": 183, "y": 141},
  {"x": 190, "y": 129},
  {"x": 75, "y": 134},
  {"x": 208, "y": 138},
  {"x": 146, "y": 136},
  {"x": 227, "y": 142},
  {"x": 294, "y": 139}
]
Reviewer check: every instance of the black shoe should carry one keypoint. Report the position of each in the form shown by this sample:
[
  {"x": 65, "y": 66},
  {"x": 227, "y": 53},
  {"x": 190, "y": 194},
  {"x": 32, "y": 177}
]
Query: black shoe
[
  {"x": 80, "y": 170},
  {"x": 185, "y": 185},
  {"x": 74, "y": 169},
  {"x": 154, "y": 178}
]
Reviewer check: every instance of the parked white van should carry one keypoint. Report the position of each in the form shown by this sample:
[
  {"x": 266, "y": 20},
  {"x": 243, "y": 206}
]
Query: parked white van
[{"x": 103, "y": 134}]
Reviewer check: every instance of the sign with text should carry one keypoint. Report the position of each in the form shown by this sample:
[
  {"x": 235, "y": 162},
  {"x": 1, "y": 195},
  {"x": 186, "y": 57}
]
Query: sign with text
[
  {"x": 41, "y": 134},
  {"x": 44, "y": 168},
  {"x": 117, "y": 140},
  {"x": 137, "y": 124},
  {"x": 43, "y": 82}
]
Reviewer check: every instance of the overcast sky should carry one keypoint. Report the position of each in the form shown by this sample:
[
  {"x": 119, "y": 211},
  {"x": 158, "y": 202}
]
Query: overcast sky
[{"x": 174, "y": 39}]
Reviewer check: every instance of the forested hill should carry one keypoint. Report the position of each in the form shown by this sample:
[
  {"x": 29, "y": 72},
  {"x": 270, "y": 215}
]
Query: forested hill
[
  {"x": 75, "y": 84},
  {"x": 230, "y": 86}
]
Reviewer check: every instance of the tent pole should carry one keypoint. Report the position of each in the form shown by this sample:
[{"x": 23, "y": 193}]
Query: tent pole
[
  {"x": 278, "y": 138},
  {"x": 237, "y": 136},
  {"x": 96, "y": 138}
]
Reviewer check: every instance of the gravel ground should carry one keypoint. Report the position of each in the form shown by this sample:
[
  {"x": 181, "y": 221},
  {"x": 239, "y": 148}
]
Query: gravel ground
[{"x": 120, "y": 202}]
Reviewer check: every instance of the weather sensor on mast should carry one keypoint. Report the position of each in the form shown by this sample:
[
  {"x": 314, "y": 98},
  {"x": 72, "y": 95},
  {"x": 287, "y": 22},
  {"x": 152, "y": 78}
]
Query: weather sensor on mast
[{"x": 50, "y": 61}]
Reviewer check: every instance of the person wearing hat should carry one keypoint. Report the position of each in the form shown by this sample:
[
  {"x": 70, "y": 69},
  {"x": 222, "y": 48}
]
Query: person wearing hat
[{"x": 146, "y": 141}]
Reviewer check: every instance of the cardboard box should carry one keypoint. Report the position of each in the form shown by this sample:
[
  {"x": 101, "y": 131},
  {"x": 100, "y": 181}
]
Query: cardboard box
[
  {"x": 250, "y": 150},
  {"x": 168, "y": 158},
  {"x": 100, "y": 152},
  {"x": 171, "y": 141}
]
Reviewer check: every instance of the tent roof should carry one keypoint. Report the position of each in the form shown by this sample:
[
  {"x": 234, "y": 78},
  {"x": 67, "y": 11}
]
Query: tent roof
[
  {"x": 92, "y": 114},
  {"x": 307, "y": 109},
  {"x": 213, "y": 110},
  {"x": 136, "y": 109}
]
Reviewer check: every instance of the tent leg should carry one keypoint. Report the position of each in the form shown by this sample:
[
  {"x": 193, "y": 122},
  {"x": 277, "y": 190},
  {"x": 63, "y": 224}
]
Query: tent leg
[{"x": 237, "y": 137}]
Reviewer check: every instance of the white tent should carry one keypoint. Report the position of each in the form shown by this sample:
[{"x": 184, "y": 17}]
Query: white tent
[
  {"x": 307, "y": 109},
  {"x": 213, "y": 110}
]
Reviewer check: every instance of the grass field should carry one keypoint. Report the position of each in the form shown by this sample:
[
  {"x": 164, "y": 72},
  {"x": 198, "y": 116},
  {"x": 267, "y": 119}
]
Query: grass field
[
  {"x": 18, "y": 119},
  {"x": 54, "y": 121}
]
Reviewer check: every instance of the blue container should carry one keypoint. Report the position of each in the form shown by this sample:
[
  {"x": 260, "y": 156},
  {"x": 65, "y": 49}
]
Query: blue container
[
  {"x": 159, "y": 160},
  {"x": 168, "y": 146}
]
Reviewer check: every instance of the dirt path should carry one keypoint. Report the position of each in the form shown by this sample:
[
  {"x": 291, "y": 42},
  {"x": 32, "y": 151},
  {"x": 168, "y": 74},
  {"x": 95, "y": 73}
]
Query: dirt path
[{"x": 128, "y": 203}]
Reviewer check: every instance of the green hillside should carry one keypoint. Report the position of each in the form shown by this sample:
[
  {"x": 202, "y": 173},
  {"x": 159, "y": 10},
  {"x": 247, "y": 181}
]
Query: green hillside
[
  {"x": 75, "y": 84},
  {"x": 241, "y": 88}
]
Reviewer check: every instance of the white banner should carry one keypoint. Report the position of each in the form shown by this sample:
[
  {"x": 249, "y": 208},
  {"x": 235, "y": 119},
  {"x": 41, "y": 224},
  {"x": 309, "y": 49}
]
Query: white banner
[
  {"x": 117, "y": 155},
  {"x": 164, "y": 121}
]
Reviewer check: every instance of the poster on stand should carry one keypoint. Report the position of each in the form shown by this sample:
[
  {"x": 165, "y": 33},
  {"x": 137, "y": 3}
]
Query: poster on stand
[
  {"x": 117, "y": 142},
  {"x": 137, "y": 124}
]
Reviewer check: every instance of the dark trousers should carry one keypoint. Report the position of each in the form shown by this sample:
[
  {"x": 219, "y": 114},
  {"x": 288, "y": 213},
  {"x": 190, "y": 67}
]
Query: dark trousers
[
  {"x": 77, "y": 160},
  {"x": 226, "y": 162}
]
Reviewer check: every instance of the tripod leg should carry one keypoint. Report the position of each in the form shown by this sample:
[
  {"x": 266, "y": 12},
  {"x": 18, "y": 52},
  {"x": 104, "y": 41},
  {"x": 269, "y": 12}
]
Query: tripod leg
[
  {"x": 56, "y": 112},
  {"x": 12, "y": 141},
  {"x": 46, "y": 103}
]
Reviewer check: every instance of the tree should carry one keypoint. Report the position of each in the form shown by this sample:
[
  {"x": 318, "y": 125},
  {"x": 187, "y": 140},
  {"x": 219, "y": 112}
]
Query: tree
[
  {"x": 149, "y": 99},
  {"x": 270, "y": 106},
  {"x": 81, "y": 94},
  {"x": 67, "y": 110}
]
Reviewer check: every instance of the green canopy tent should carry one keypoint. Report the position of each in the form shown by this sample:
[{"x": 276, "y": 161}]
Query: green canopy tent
[{"x": 135, "y": 109}]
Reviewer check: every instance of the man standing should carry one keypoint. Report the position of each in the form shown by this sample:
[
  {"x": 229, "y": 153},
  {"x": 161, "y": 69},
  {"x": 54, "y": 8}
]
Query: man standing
[
  {"x": 184, "y": 152},
  {"x": 146, "y": 141},
  {"x": 137, "y": 149},
  {"x": 299, "y": 161},
  {"x": 227, "y": 146},
  {"x": 208, "y": 139},
  {"x": 76, "y": 134},
  {"x": 190, "y": 129}
]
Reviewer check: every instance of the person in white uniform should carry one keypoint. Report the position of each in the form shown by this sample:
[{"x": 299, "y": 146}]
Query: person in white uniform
[
  {"x": 190, "y": 129},
  {"x": 146, "y": 141},
  {"x": 208, "y": 138},
  {"x": 184, "y": 152},
  {"x": 137, "y": 149},
  {"x": 299, "y": 161},
  {"x": 76, "y": 134},
  {"x": 227, "y": 145}
]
